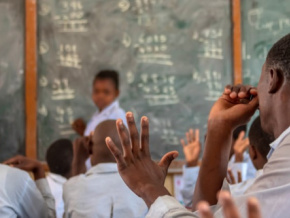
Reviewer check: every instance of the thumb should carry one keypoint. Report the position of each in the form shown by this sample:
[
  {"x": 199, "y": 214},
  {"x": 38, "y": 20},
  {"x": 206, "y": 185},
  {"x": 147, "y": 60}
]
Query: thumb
[
  {"x": 254, "y": 104},
  {"x": 167, "y": 159}
]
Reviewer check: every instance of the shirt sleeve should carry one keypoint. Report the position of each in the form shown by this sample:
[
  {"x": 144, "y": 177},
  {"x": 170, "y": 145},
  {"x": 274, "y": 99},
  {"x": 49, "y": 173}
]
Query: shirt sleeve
[
  {"x": 190, "y": 175},
  {"x": 168, "y": 207},
  {"x": 44, "y": 189}
]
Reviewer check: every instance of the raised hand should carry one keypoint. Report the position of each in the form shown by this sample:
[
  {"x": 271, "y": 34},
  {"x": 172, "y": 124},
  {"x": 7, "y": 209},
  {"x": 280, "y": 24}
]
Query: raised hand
[
  {"x": 240, "y": 147},
  {"x": 81, "y": 152},
  {"x": 229, "y": 208},
  {"x": 231, "y": 178},
  {"x": 141, "y": 174},
  {"x": 191, "y": 150},
  {"x": 79, "y": 126},
  {"x": 236, "y": 106},
  {"x": 28, "y": 165}
]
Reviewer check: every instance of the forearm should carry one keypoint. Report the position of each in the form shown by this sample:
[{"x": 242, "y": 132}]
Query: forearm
[
  {"x": 214, "y": 164},
  {"x": 150, "y": 193},
  {"x": 78, "y": 166},
  {"x": 45, "y": 191}
]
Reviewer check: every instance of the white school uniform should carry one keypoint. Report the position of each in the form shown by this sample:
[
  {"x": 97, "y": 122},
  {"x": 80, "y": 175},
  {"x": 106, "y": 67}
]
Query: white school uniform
[
  {"x": 56, "y": 186},
  {"x": 20, "y": 196},
  {"x": 101, "y": 192},
  {"x": 272, "y": 189}
]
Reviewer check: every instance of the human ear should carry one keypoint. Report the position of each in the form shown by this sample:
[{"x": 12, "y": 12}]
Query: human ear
[
  {"x": 253, "y": 153},
  {"x": 276, "y": 80}
]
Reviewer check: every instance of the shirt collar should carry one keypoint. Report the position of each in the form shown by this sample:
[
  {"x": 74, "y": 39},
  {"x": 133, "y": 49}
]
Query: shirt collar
[
  {"x": 277, "y": 142},
  {"x": 115, "y": 104},
  {"x": 57, "y": 178},
  {"x": 103, "y": 168}
]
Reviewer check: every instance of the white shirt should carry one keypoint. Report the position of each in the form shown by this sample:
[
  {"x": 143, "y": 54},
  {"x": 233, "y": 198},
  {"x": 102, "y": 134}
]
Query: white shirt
[
  {"x": 272, "y": 189},
  {"x": 112, "y": 112},
  {"x": 101, "y": 192},
  {"x": 190, "y": 175},
  {"x": 21, "y": 197},
  {"x": 56, "y": 186}
]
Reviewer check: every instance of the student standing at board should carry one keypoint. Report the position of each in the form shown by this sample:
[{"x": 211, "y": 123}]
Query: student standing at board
[{"x": 104, "y": 94}]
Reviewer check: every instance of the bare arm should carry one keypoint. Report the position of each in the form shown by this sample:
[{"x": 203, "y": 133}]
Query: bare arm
[{"x": 229, "y": 112}]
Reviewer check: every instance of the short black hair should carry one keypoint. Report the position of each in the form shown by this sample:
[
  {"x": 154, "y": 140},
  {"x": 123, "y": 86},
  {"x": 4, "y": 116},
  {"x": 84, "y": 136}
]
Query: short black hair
[
  {"x": 59, "y": 157},
  {"x": 238, "y": 130},
  {"x": 108, "y": 74},
  {"x": 279, "y": 56},
  {"x": 259, "y": 139}
]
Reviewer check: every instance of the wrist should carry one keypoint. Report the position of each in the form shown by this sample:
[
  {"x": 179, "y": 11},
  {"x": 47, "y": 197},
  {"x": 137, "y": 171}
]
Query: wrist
[
  {"x": 193, "y": 163},
  {"x": 150, "y": 192},
  {"x": 239, "y": 157},
  {"x": 38, "y": 171}
]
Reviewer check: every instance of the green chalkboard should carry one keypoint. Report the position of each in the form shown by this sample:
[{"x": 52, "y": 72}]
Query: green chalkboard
[
  {"x": 263, "y": 23},
  {"x": 11, "y": 78},
  {"x": 174, "y": 58}
]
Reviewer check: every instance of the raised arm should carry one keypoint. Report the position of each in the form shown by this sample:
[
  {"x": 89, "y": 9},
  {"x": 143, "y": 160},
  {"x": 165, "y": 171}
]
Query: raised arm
[
  {"x": 231, "y": 110},
  {"x": 141, "y": 174}
]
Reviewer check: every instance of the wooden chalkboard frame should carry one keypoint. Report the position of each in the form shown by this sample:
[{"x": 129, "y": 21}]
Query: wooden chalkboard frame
[
  {"x": 31, "y": 71},
  {"x": 31, "y": 78}
]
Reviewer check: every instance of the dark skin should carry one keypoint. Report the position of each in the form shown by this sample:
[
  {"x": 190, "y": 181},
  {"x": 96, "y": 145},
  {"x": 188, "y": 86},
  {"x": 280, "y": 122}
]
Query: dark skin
[
  {"x": 141, "y": 174},
  {"x": 28, "y": 165},
  {"x": 257, "y": 158},
  {"x": 104, "y": 93},
  {"x": 81, "y": 152},
  {"x": 273, "y": 90},
  {"x": 95, "y": 146}
]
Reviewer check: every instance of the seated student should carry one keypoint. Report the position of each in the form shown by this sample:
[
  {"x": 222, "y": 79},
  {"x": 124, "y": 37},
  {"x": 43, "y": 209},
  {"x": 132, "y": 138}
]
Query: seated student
[
  {"x": 59, "y": 159},
  {"x": 258, "y": 151},
  {"x": 235, "y": 107},
  {"x": 239, "y": 160},
  {"x": 100, "y": 192},
  {"x": 20, "y": 196},
  {"x": 105, "y": 95}
]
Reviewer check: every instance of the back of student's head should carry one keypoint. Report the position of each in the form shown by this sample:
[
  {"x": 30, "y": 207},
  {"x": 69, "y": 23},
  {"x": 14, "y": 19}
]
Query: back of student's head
[
  {"x": 101, "y": 153},
  {"x": 59, "y": 157},
  {"x": 238, "y": 130},
  {"x": 279, "y": 56},
  {"x": 259, "y": 139},
  {"x": 108, "y": 74}
]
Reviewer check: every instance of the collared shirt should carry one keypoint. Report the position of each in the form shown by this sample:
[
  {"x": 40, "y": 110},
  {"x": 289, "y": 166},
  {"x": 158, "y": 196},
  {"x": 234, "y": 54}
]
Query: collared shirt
[
  {"x": 101, "y": 192},
  {"x": 56, "y": 186},
  {"x": 21, "y": 197},
  {"x": 190, "y": 175},
  {"x": 272, "y": 189},
  {"x": 275, "y": 144},
  {"x": 112, "y": 112}
]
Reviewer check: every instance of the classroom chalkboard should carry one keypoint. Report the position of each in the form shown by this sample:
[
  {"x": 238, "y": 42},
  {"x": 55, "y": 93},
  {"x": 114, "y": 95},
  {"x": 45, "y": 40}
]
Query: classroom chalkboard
[
  {"x": 263, "y": 23},
  {"x": 174, "y": 58},
  {"x": 12, "y": 126}
]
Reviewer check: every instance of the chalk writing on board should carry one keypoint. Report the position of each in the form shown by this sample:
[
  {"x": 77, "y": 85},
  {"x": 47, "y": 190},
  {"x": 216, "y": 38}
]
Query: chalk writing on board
[
  {"x": 256, "y": 19},
  {"x": 61, "y": 90},
  {"x": 124, "y": 5},
  {"x": 158, "y": 89},
  {"x": 130, "y": 77},
  {"x": 211, "y": 41},
  {"x": 43, "y": 9},
  {"x": 168, "y": 134},
  {"x": 43, "y": 47},
  {"x": 64, "y": 117},
  {"x": 213, "y": 81},
  {"x": 68, "y": 56},
  {"x": 245, "y": 54},
  {"x": 153, "y": 49},
  {"x": 71, "y": 19},
  {"x": 43, "y": 82},
  {"x": 42, "y": 110}
]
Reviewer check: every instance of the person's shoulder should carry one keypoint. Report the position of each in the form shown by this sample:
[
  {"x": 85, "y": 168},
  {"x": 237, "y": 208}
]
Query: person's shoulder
[
  {"x": 14, "y": 173},
  {"x": 73, "y": 181}
]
